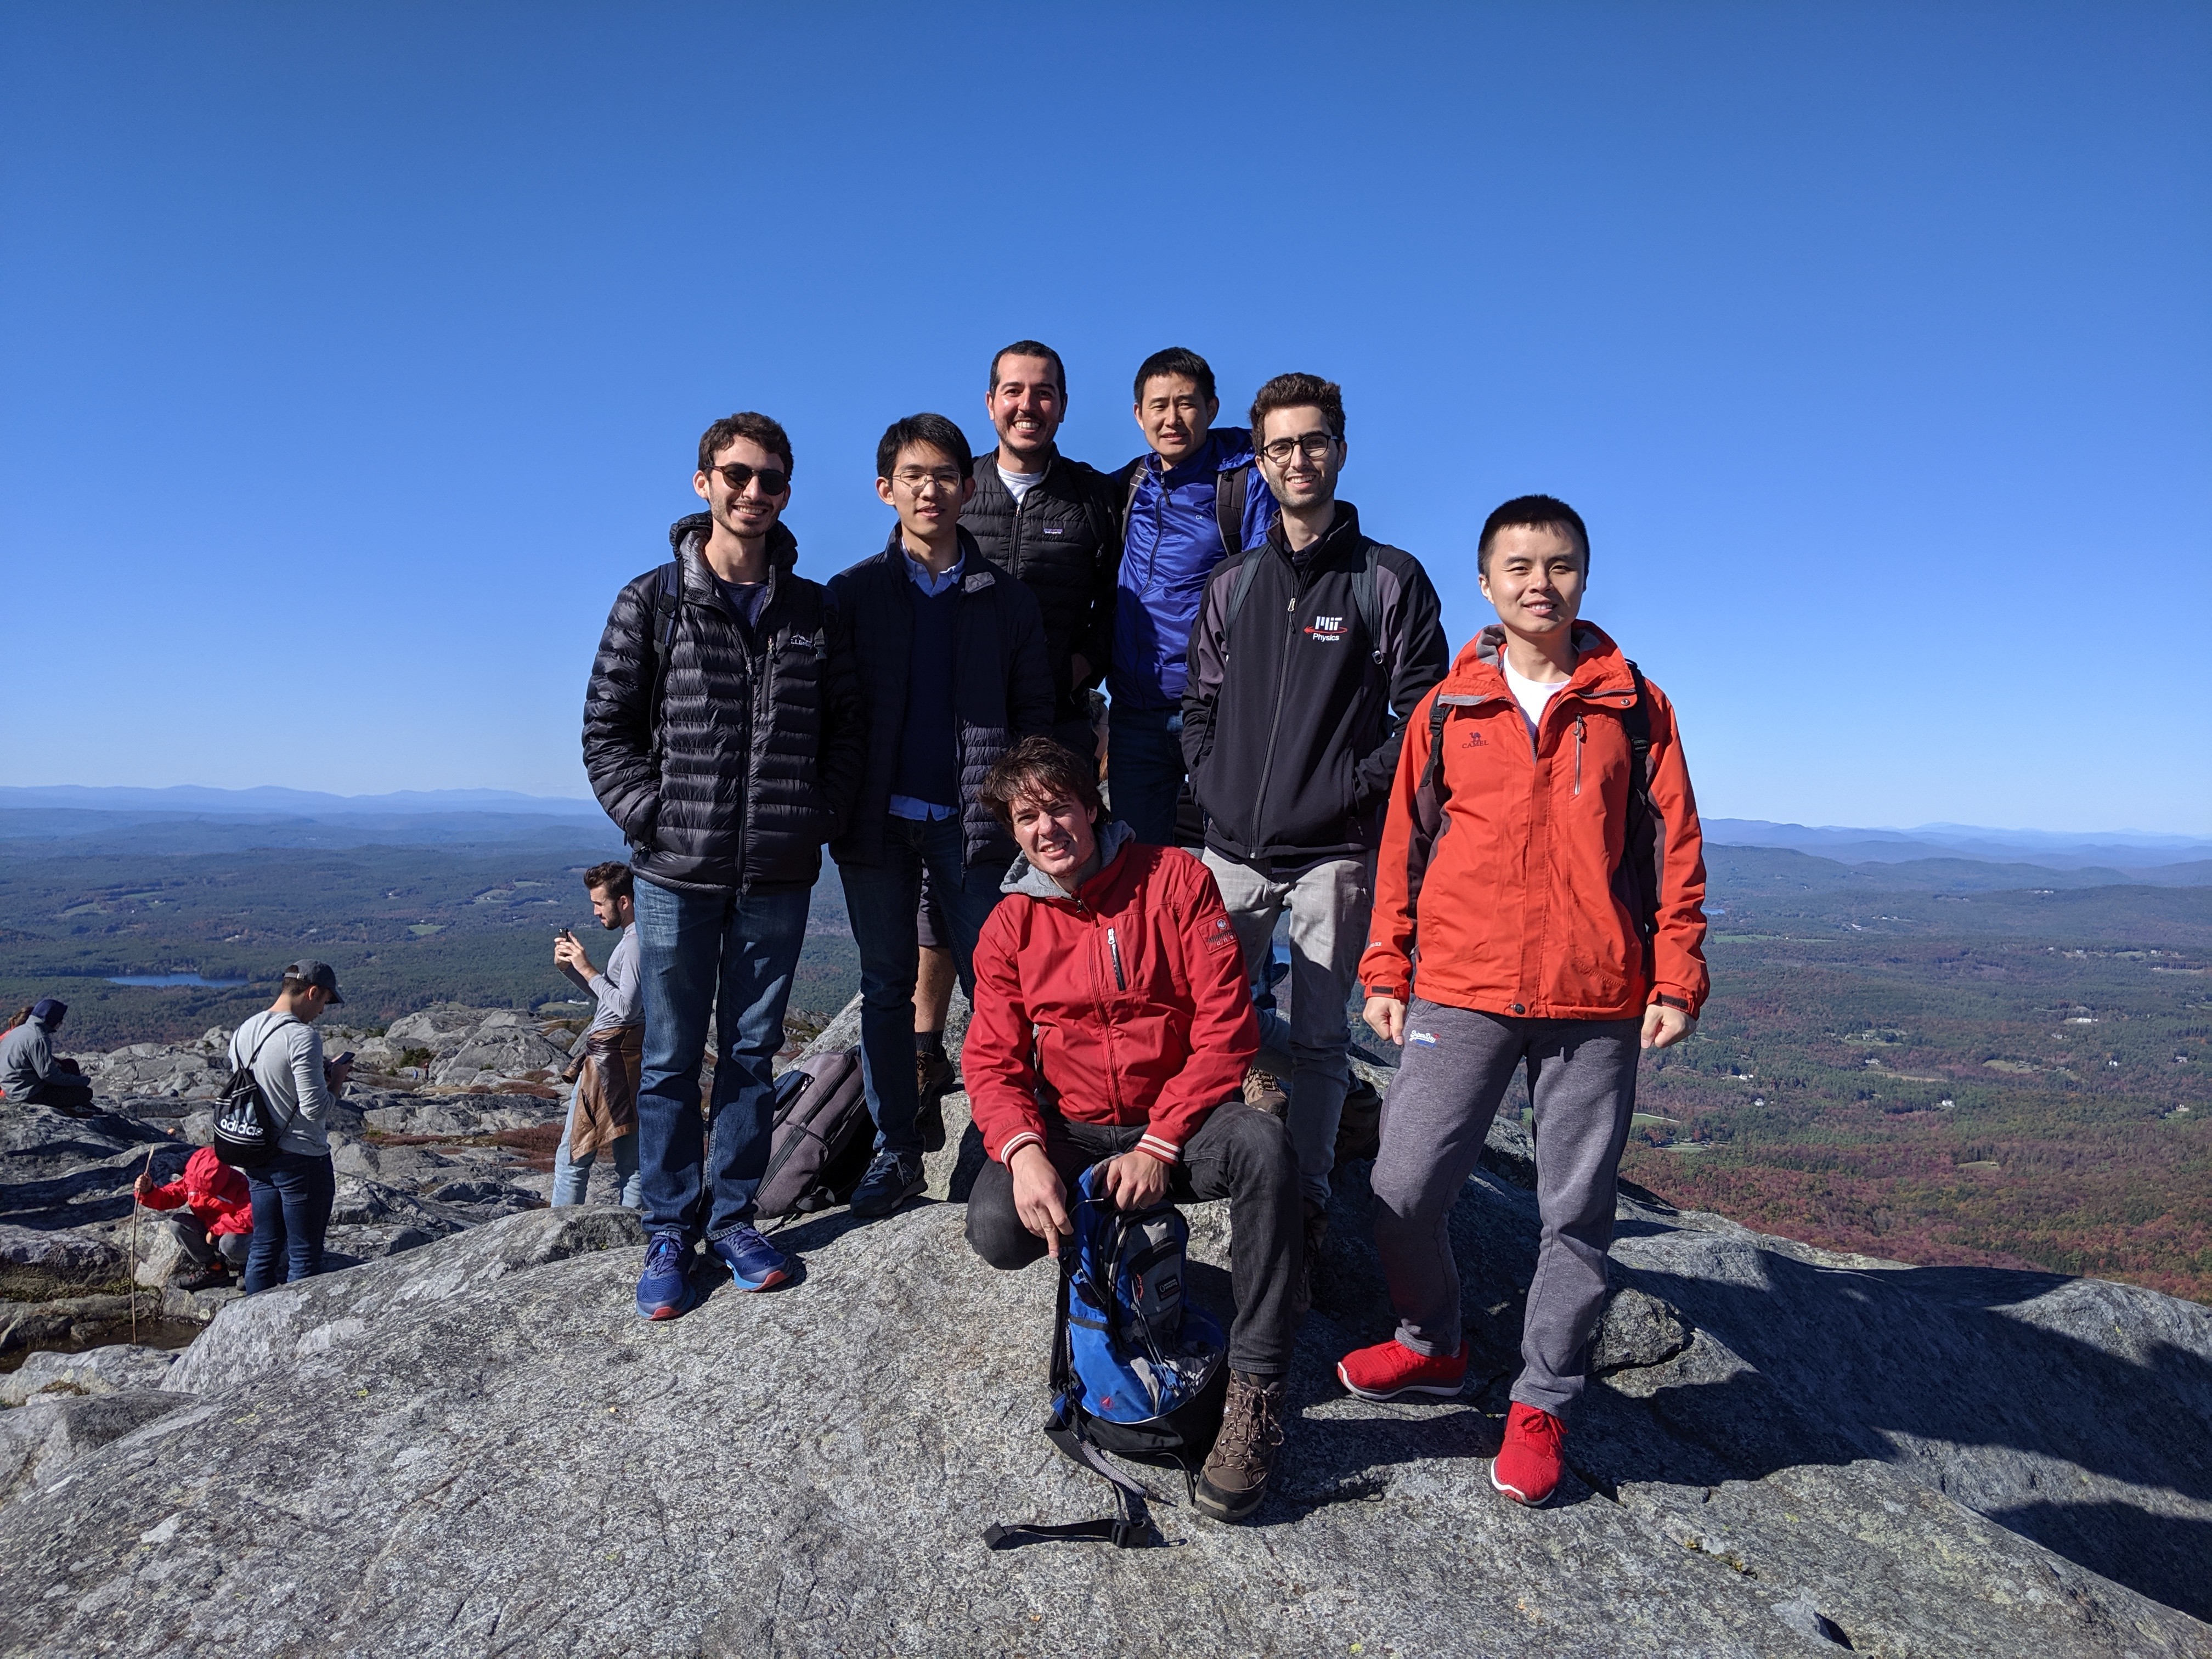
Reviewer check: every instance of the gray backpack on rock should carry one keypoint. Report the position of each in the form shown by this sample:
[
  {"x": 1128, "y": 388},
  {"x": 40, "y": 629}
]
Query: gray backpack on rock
[{"x": 818, "y": 1150}]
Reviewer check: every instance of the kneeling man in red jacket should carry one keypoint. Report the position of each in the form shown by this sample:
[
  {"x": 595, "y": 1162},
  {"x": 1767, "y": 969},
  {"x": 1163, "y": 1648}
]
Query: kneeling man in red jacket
[{"x": 1112, "y": 1023}]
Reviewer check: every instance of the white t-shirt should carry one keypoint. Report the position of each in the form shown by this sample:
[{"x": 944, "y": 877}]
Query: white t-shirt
[
  {"x": 1532, "y": 696},
  {"x": 1019, "y": 483}
]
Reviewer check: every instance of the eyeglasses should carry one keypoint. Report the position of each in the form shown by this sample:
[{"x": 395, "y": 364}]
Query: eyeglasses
[
  {"x": 945, "y": 478},
  {"x": 1315, "y": 444},
  {"x": 773, "y": 480}
]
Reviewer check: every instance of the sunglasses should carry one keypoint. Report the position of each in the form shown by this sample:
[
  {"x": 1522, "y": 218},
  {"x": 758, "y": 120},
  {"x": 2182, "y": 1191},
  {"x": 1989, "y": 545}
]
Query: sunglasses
[{"x": 773, "y": 481}]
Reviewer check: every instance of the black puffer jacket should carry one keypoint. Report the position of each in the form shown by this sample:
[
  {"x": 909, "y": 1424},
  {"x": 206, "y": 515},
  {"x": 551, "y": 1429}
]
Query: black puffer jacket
[
  {"x": 1293, "y": 737},
  {"x": 1063, "y": 543},
  {"x": 1003, "y": 694},
  {"x": 761, "y": 742}
]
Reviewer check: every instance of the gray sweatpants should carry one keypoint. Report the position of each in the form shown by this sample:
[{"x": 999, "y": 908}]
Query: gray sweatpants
[
  {"x": 1329, "y": 902},
  {"x": 193, "y": 1239},
  {"x": 1458, "y": 1064}
]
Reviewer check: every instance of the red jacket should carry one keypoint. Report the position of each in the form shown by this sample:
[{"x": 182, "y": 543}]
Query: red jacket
[
  {"x": 1124, "y": 1004},
  {"x": 215, "y": 1193},
  {"x": 1509, "y": 893}
]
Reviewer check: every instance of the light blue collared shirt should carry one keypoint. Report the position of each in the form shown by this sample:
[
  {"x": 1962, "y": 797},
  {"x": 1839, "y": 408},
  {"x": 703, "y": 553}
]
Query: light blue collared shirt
[{"x": 906, "y": 806}]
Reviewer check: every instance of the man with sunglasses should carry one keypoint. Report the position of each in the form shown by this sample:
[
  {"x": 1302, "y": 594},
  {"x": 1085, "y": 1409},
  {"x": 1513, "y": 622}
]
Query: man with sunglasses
[
  {"x": 953, "y": 674},
  {"x": 1311, "y": 649},
  {"x": 722, "y": 732}
]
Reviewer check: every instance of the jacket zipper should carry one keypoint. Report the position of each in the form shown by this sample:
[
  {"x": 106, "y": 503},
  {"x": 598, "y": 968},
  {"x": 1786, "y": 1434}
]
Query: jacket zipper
[
  {"x": 1113, "y": 949},
  {"x": 1578, "y": 754},
  {"x": 1275, "y": 719},
  {"x": 1098, "y": 998}
]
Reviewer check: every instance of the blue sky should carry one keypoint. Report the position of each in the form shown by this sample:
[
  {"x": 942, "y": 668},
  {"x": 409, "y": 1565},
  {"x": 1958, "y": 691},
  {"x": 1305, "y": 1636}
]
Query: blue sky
[{"x": 353, "y": 357}]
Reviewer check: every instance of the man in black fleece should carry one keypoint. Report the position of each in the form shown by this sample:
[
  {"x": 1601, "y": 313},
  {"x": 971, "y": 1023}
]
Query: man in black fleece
[
  {"x": 951, "y": 658},
  {"x": 1293, "y": 739}
]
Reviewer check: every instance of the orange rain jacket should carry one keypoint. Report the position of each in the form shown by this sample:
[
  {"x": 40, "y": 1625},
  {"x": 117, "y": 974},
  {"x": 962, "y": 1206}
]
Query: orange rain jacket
[{"x": 1514, "y": 898}]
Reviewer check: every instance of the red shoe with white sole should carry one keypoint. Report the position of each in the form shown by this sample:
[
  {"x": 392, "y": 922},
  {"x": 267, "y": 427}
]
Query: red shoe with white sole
[
  {"x": 1391, "y": 1370},
  {"x": 1526, "y": 1467}
]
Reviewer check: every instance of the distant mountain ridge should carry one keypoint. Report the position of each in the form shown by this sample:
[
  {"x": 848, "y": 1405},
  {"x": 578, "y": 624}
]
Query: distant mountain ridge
[
  {"x": 2119, "y": 849},
  {"x": 197, "y": 799}
]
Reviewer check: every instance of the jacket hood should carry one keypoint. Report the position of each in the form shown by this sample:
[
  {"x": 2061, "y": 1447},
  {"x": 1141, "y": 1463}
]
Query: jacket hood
[
  {"x": 687, "y": 536},
  {"x": 203, "y": 1171},
  {"x": 1480, "y": 669},
  {"x": 1025, "y": 879}
]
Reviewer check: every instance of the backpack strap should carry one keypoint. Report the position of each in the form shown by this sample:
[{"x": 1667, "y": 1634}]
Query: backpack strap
[
  {"x": 1230, "y": 491},
  {"x": 1245, "y": 573},
  {"x": 667, "y": 607},
  {"x": 1364, "y": 599},
  {"x": 1636, "y": 722},
  {"x": 1642, "y": 854}
]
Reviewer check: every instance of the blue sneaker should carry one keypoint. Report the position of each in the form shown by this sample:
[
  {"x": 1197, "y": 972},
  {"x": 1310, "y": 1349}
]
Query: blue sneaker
[
  {"x": 892, "y": 1179},
  {"x": 664, "y": 1289},
  {"x": 754, "y": 1263}
]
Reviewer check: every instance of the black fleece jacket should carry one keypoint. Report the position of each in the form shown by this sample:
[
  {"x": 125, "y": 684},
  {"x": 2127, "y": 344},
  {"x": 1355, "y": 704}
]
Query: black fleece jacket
[
  {"x": 1291, "y": 736},
  {"x": 756, "y": 760}
]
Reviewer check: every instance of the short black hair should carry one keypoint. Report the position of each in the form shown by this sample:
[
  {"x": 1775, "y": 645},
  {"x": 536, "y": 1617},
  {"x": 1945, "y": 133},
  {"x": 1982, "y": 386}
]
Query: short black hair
[
  {"x": 1298, "y": 391},
  {"x": 1533, "y": 512},
  {"x": 1177, "y": 359},
  {"x": 614, "y": 877},
  {"x": 767, "y": 433},
  {"x": 934, "y": 430},
  {"x": 1030, "y": 348}
]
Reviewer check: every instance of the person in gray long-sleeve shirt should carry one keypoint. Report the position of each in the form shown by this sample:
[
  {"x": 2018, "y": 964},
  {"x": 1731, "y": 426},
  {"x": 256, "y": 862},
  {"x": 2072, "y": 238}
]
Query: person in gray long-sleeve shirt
[
  {"x": 618, "y": 992},
  {"x": 292, "y": 1193}
]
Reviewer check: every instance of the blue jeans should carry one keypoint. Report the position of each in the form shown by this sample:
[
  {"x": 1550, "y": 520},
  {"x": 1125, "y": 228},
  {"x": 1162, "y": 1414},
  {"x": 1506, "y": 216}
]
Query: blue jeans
[
  {"x": 571, "y": 1176},
  {"x": 1144, "y": 769},
  {"x": 880, "y": 899},
  {"x": 734, "y": 955},
  {"x": 291, "y": 1197}
]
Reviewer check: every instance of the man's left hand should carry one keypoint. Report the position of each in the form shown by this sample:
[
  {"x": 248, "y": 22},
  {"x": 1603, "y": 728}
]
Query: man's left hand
[
  {"x": 1136, "y": 1181},
  {"x": 1664, "y": 1027},
  {"x": 568, "y": 952}
]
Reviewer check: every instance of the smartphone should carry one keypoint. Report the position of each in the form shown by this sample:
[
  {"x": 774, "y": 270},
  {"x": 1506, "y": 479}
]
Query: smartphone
[
  {"x": 345, "y": 1058},
  {"x": 564, "y": 934}
]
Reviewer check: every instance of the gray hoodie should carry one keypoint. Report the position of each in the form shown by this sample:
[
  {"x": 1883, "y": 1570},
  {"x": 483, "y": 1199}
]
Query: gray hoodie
[
  {"x": 290, "y": 1069},
  {"x": 27, "y": 1057}
]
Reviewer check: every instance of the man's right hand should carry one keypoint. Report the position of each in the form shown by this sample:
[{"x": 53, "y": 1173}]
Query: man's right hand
[
  {"x": 1386, "y": 1017},
  {"x": 1039, "y": 1199},
  {"x": 143, "y": 1186}
]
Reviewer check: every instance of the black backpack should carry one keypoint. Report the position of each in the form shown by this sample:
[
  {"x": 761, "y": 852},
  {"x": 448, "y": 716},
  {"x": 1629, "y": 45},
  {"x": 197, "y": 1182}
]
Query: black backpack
[
  {"x": 1637, "y": 880},
  {"x": 246, "y": 1130}
]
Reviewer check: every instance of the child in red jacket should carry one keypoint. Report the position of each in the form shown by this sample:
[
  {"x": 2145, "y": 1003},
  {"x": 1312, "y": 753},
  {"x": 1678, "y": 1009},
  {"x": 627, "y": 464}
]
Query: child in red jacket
[{"x": 216, "y": 1225}]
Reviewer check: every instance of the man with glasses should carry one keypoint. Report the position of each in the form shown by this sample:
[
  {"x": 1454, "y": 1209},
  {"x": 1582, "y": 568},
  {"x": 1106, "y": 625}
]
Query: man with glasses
[
  {"x": 1053, "y": 524},
  {"x": 1188, "y": 502},
  {"x": 1311, "y": 649},
  {"x": 954, "y": 672},
  {"x": 722, "y": 732}
]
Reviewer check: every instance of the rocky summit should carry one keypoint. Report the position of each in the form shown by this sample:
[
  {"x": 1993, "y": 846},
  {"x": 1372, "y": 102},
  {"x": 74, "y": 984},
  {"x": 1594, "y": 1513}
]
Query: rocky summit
[{"x": 474, "y": 1446}]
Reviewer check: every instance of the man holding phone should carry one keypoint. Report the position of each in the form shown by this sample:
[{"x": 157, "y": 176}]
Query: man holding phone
[{"x": 602, "y": 1106}]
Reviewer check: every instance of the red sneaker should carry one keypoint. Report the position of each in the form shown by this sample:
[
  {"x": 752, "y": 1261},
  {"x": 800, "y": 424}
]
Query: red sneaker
[
  {"x": 1526, "y": 1467},
  {"x": 1390, "y": 1371}
]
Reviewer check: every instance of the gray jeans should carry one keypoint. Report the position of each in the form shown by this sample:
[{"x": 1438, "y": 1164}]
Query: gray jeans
[
  {"x": 1458, "y": 1064},
  {"x": 194, "y": 1241},
  {"x": 1329, "y": 902}
]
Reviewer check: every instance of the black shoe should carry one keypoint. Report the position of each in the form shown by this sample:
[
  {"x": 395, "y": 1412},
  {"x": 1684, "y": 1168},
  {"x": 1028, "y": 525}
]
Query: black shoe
[
  {"x": 207, "y": 1279},
  {"x": 1235, "y": 1478},
  {"x": 892, "y": 1179}
]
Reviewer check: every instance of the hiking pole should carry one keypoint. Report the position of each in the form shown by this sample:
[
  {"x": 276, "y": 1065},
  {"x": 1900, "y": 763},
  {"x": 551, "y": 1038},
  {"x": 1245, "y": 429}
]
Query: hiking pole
[{"x": 135, "y": 1207}]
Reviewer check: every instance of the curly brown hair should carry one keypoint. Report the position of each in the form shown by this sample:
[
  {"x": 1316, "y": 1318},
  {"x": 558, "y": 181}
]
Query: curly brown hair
[
  {"x": 612, "y": 876},
  {"x": 1039, "y": 769}
]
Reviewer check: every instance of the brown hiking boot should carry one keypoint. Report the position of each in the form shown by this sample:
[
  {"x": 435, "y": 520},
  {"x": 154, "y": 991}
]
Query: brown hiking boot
[
  {"x": 1235, "y": 1478},
  {"x": 1316, "y": 1235},
  {"x": 933, "y": 1075},
  {"x": 1264, "y": 1090}
]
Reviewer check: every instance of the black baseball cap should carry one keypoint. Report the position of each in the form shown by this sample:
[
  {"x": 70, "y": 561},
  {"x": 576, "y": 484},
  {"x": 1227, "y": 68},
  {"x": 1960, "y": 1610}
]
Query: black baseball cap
[{"x": 319, "y": 974}]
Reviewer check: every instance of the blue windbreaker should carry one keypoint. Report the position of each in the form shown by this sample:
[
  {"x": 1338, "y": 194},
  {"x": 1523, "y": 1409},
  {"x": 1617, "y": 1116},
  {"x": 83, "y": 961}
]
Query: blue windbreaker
[{"x": 1169, "y": 547}]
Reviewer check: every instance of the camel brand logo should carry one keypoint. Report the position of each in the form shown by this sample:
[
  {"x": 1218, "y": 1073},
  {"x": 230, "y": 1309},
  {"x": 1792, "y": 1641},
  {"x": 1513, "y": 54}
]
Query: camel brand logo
[
  {"x": 1474, "y": 740},
  {"x": 1328, "y": 629}
]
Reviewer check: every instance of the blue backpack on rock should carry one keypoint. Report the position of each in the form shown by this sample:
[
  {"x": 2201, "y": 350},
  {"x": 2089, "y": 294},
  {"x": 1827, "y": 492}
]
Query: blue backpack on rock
[{"x": 1137, "y": 1368}]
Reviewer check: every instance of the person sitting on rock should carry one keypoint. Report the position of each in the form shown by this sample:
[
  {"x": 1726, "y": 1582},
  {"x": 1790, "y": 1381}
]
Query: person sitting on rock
[
  {"x": 1538, "y": 903},
  {"x": 603, "y": 1106},
  {"x": 31, "y": 1071},
  {"x": 216, "y": 1224},
  {"x": 1111, "y": 1023},
  {"x": 292, "y": 1194}
]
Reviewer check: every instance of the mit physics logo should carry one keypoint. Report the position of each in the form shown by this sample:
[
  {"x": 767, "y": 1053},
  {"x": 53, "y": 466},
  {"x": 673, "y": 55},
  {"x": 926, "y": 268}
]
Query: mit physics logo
[{"x": 1329, "y": 630}]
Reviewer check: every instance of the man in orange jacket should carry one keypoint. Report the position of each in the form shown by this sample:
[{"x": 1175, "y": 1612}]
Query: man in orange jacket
[
  {"x": 1542, "y": 863},
  {"x": 217, "y": 1225},
  {"x": 1112, "y": 1025}
]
